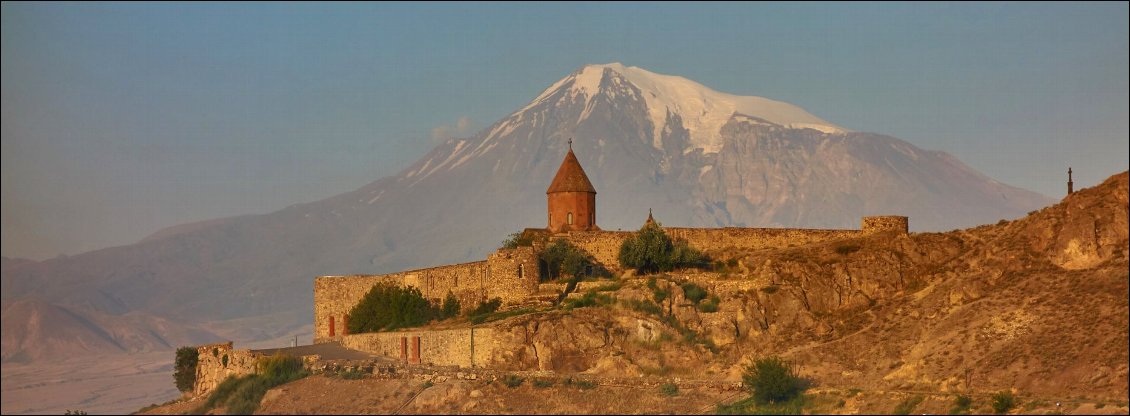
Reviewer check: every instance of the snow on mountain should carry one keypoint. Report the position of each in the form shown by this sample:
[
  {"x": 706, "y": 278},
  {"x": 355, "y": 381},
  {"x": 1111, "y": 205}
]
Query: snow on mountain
[{"x": 702, "y": 110}]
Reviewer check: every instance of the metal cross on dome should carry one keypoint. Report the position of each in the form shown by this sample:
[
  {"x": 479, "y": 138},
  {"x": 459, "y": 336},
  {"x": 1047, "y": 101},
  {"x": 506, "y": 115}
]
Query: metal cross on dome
[{"x": 570, "y": 143}]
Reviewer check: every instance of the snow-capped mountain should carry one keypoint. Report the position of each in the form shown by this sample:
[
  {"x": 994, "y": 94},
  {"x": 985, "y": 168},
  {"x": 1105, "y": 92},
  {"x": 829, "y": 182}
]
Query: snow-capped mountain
[
  {"x": 702, "y": 110},
  {"x": 698, "y": 157}
]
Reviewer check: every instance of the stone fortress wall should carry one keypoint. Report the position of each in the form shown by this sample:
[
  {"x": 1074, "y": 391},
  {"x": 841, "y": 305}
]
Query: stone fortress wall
[
  {"x": 605, "y": 245},
  {"x": 216, "y": 362},
  {"x": 882, "y": 223},
  {"x": 510, "y": 274},
  {"x": 464, "y": 347}
]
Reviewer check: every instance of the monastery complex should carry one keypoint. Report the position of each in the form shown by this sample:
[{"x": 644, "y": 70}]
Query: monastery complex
[{"x": 514, "y": 274}]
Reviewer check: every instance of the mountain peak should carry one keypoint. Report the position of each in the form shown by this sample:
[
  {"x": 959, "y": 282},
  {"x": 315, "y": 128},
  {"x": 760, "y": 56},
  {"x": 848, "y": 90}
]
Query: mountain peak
[{"x": 702, "y": 110}]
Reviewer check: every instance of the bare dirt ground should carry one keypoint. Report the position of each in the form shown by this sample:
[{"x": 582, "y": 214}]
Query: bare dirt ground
[
  {"x": 331, "y": 395},
  {"x": 319, "y": 394}
]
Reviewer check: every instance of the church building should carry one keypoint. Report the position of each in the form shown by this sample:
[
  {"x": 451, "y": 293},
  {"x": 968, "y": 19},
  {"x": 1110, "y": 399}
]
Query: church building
[{"x": 571, "y": 198}]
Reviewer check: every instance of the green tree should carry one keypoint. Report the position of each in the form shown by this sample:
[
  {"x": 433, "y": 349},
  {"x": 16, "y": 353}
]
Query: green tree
[
  {"x": 563, "y": 258},
  {"x": 450, "y": 306},
  {"x": 772, "y": 380},
  {"x": 651, "y": 250},
  {"x": 387, "y": 306},
  {"x": 185, "y": 364},
  {"x": 519, "y": 239}
]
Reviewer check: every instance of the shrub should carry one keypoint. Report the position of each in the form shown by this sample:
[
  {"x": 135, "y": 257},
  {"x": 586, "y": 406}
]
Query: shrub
[
  {"x": 388, "y": 307},
  {"x": 487, "y": 307},
  {"x": 772, "y": 380},
  {"x": 710, "y": 306},
  {"x": 280, "y": 369},
  {"x": 542, "y": 383},
  {"x": 650, "y": 250},
  {"x": 906, "y": 406},
  {"x": 584, "y": 384},
  {"x": 645, "y": 306},
  {"x": 694, "y": 293},
  {"x": 845, "y": 249},
  {"x": 669, "y": 389},
  {"x": 518, "y": 239},
  {"x": 512, "y": 381},
  {"x": 961, "y": 405},
  {"x": 246, "y": 397},
  {"x": 589, "y": 299},
  {"x": 241, "y": 395},
  {"x": 748, "y": 406},
  {"x": 658, "y": 294},
  {"x": 450, "y": 306},
  {"x": 611, "y": 287},
  {"x": 185, "y": 364},
  {"x": 494, "y": 316},
  {"x": 1003, "y": 402}
]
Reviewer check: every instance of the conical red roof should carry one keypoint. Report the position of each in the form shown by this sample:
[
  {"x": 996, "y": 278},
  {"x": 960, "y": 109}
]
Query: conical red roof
[{"x": 570, "y": 177}]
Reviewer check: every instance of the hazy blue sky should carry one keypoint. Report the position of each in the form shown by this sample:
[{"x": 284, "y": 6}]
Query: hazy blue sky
[{"x": 120, "y": 119}]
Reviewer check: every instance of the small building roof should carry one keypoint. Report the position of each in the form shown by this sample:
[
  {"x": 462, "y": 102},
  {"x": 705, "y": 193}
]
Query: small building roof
[
  {"x": 650, "y": 219},
  {"x": 570, "y": 177}
]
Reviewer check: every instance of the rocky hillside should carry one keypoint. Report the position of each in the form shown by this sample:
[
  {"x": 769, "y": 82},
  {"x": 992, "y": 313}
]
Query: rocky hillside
[{"x": 1038, "y": 306}]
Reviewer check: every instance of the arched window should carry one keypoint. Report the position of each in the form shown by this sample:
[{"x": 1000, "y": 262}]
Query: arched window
[
  {"x": 592, "y": 218},
  {"x": 519, "y": 271},
  {"x": 569, "y": 218}
]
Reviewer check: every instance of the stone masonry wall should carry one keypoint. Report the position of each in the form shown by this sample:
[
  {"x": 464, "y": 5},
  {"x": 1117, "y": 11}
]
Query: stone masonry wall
[
  {"x": 878, "y": 224},
  {"x": 510, "y": 274},
  {"x": 442, "y": 347},
  {"x": 755, "y": 238},
  {"x": 211, "y": 368},
  {"x": 605, "y": 245},
  {"x": 513, "y": 275},
  {"x": 335, "y": 296}
]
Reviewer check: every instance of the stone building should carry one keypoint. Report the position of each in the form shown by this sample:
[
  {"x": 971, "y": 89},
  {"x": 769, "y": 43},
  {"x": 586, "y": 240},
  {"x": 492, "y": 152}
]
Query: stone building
[
  {"x": 514, "y": 274},
  {"x": 571, "y": 198}
]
